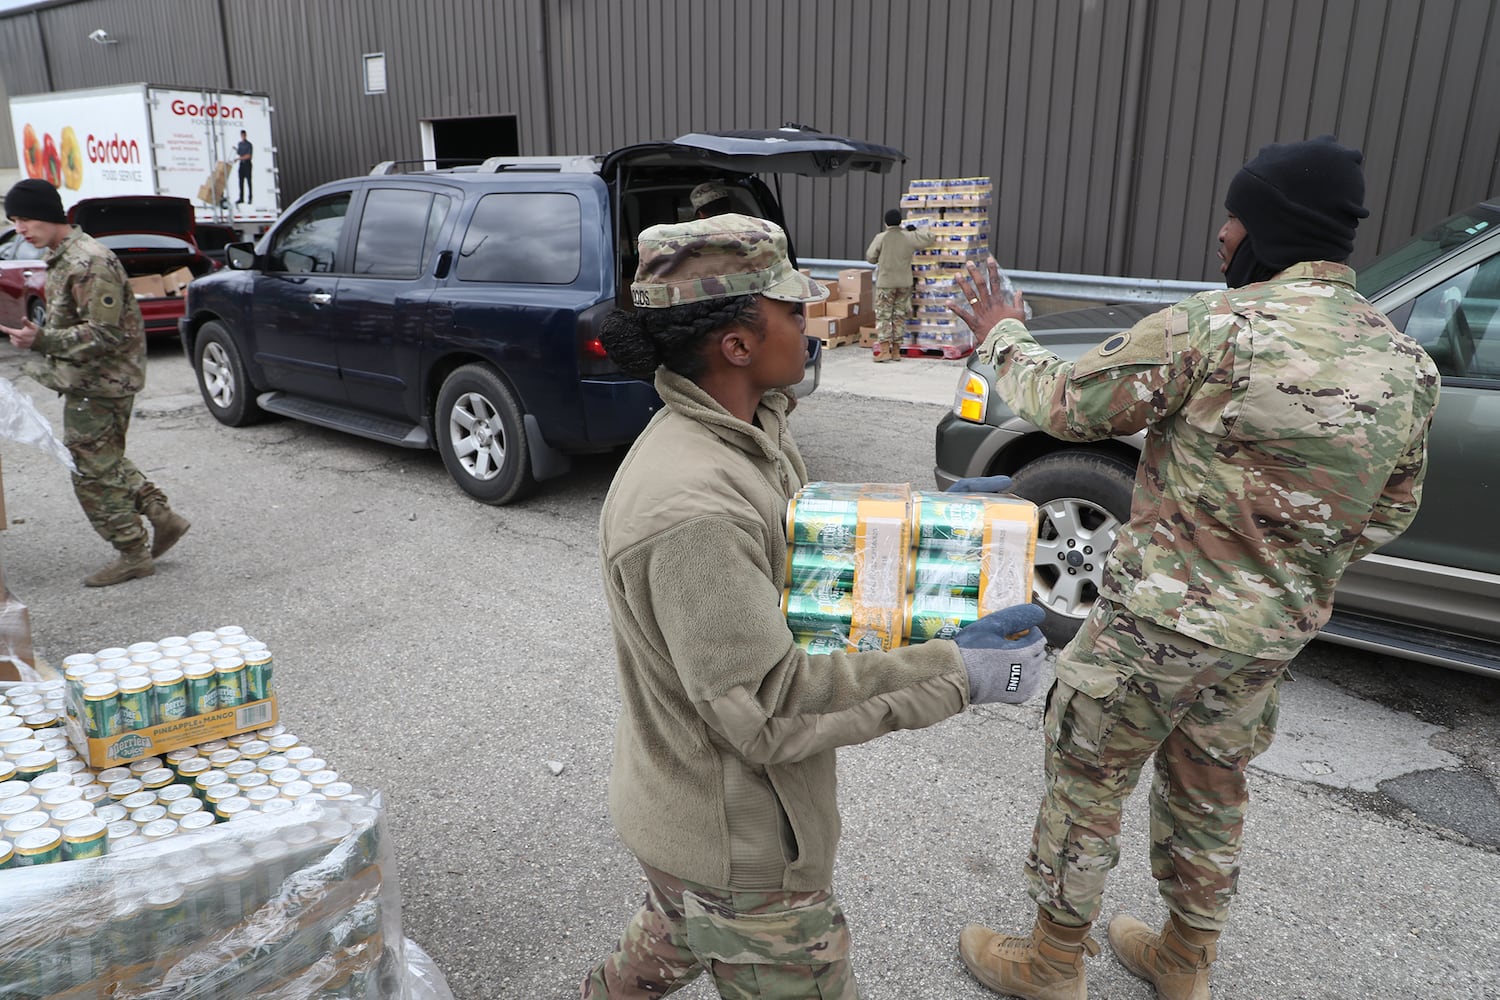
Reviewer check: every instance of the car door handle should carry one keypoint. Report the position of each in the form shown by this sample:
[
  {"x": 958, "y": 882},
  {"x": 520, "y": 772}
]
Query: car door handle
[{"x": 320, "y": 298}]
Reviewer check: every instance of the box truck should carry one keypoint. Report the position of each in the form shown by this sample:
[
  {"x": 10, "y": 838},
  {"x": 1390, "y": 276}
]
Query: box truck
[{"x": 141, "y": 138}]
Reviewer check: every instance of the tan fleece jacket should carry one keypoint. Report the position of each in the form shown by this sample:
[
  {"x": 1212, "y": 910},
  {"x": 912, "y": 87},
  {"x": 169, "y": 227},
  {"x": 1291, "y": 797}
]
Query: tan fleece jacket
[{"x": 724, "y": 753}]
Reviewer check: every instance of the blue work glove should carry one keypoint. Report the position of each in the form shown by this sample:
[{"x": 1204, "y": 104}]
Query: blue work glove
[
  {"x": 1002, "y": 668},
  {"x": 981, "y": 484}
]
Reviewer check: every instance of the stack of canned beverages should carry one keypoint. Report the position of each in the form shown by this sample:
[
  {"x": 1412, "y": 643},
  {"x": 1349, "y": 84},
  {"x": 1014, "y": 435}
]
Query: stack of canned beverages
[
  {"x": 292, "y": 905},
  {"x": 875, "y": 566},
  {"x": 125, "y": 688},
  {"x": 53, "y": 807}
]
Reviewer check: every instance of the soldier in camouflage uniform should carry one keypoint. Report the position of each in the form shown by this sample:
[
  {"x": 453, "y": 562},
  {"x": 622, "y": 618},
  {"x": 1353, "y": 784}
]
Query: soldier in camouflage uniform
[
  {"x": 891, "y": 252},
  {"x": 724, "y": 776},
  {"x": 1286, "y": 425},
  {"x": 93, "y": 353}
]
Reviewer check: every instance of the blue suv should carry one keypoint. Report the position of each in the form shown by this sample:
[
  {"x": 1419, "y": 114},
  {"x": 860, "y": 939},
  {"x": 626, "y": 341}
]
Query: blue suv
[{"x": 460, "y": 308}]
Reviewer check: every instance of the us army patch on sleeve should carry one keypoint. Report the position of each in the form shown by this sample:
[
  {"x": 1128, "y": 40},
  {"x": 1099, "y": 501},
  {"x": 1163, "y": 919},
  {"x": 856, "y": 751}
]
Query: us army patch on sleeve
[
  {"x": 108, "y": 302},
  {"x": 1146, "y": 343}
]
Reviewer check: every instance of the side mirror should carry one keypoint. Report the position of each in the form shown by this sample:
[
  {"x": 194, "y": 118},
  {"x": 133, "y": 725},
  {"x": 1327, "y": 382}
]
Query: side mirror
[{"x": 240, "y": 256}]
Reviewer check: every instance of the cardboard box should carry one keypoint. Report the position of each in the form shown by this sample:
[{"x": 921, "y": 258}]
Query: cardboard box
[
  {"x": 826, "y": 328},
  {"x": 842, "y": 308},
  {"x": 212, "y": 189},
  {"x": 813, "y": 310},
  {"x": 149, "y": 286},
  {"x": 155, "y": 741},
  {"x": 857, "y": 283},
  {"x": 176, "y": 281}
]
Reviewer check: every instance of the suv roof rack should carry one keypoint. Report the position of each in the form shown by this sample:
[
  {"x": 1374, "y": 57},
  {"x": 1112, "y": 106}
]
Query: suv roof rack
[
  {"x": 555, "y": 165},
  {"x": 445, "y": 164}
]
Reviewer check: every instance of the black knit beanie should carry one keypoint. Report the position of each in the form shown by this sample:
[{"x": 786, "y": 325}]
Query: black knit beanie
[
  {"x": 1298, "y": 201},
  {"x": 34, "y": 199}
]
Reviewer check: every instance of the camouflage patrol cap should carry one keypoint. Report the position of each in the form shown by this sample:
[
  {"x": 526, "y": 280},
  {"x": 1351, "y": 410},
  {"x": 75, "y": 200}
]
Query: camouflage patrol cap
[
  {"x": 707, "y": 193},
  {"x": 716, "y": 258}
]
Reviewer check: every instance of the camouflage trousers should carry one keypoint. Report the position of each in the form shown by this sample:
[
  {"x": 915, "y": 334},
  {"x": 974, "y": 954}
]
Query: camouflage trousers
[
  {"x": 111, "y": 490},
  {"x": 755, "y": 945},
  {"x": 892, "y": 310},
  {"x": 1127, "y": 689}
]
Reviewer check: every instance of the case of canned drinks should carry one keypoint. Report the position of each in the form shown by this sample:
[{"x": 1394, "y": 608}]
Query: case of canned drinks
[
  {"x": 879, "y": 565},
  {"x": 296, "y": 903}
]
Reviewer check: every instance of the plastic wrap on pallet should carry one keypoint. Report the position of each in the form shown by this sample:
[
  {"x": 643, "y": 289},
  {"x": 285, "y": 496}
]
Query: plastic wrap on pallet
[{"x": 300, "y": 904}]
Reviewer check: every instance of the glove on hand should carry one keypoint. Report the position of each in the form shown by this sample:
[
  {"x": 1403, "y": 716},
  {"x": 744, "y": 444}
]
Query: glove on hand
[
  {"x": 1000, "y": 668},
  {"x": 981, "y": 484}
]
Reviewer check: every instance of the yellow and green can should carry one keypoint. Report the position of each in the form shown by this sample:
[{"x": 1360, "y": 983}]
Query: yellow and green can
[
  {"x": 202, "y": 688},
  {"x": 38, "y": 847},
  {"x": 230, "y": 673},
  {"x": 137, "y": 704},
  {"x": 101, "y": 710},
  {"x": 171, "y": 695},
  {"x": 85, "y": 838},
  {"x": 259, "y": 668}
]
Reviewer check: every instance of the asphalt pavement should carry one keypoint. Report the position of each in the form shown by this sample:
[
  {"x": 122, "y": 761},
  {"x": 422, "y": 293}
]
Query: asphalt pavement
[{"x": 458, "y": 657}]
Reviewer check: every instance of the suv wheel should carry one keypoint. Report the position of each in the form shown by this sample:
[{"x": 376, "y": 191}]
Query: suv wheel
[
  {"x": 222, "y": 379},
  {"x": 481, "y": 436},
  {"x": 1084, "y": 498}
]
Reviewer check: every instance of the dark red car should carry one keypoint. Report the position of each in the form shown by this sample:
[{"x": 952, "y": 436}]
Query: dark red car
[{"x": 154, "y": 238}]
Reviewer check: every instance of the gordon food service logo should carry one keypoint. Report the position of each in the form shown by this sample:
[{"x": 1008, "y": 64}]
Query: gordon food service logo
[
  {"x": 210, "y": 110},
  {"x": 129, "y": 747}
]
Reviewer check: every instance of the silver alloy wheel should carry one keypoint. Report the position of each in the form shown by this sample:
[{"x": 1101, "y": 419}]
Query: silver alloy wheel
[
  {"x": 1073, "y": 538},
  {"x": 478, "y": 436},
  {"x": 218, "y": 375}
]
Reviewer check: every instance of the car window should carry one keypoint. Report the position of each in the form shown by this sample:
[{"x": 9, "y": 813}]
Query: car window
[
  {"x": 523, "y": 238},
  {"x": 15, "y": 248},
  {"x": 1439, "y": 241},
  {"x": 1458, "y": 322},
  {"x": 310, "y": 239},
  {"x": 385, "y": 246}
]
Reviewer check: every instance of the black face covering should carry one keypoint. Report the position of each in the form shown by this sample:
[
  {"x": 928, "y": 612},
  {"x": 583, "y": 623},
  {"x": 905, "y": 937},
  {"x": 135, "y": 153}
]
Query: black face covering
[{"x": 1245, "y": 268}]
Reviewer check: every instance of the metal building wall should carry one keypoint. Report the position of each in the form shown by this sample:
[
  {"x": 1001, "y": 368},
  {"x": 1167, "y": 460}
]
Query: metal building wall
[{"x": 1110, "y": 127}]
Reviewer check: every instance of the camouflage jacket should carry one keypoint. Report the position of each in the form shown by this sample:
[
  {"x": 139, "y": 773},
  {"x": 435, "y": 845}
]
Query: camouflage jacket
[
  {"x": 94, "y": 343},
  {"x": 1286, "y": 435},
  {"x": 891, "y": 251}
]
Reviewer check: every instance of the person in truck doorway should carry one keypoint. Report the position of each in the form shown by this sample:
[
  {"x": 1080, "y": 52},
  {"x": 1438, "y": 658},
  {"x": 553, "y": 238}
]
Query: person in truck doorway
[
  {"x": 92, "y": 351},
  {"x": 243, "y": 152}
]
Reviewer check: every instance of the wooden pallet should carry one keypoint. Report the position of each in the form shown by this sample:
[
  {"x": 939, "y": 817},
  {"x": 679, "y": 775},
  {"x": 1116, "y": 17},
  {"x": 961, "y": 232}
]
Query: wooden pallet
[{"x": 841, "y": 340}]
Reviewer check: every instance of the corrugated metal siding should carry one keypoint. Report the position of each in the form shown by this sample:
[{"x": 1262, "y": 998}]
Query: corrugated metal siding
[
  {"x": 1110, "y": 127},
  {"x": 23, "y": 63}
]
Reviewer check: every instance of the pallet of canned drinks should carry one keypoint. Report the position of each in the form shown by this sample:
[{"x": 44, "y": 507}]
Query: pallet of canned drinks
[
  {"x": 879, "y": 565},
  {"x": 128, "y": 702},
  {"x": 238, "y": 867}
]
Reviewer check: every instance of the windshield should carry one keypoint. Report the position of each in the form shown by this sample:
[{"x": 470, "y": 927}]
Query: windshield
[{"x": 1439, "y": 241}]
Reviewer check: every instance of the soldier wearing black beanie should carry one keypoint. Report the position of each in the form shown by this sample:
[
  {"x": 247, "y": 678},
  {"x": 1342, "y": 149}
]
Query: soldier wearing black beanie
[
  {"x": 34, "y": 199},
  {"x": 1298, "y": 201}
]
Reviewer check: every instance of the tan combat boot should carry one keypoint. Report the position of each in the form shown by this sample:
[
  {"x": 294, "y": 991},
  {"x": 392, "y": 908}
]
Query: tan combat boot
[
  {"x": 167, "y": 526},
  {"x": 130, "y": 565},
  {"x": 1175, "y": 961},
  {"x": 1048, "y": 965}
]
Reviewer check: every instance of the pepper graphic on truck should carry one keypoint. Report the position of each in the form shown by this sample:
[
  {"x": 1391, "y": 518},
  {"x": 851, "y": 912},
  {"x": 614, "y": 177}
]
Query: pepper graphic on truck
[{"x": 146, "y": 139}]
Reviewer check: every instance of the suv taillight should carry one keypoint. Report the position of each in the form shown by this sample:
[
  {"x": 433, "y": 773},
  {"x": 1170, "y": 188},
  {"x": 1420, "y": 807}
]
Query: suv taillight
[{"x": 972, "y": 398}]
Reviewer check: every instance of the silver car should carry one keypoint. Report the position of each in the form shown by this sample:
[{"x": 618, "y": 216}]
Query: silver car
[{"x": 1432, "y": 595}]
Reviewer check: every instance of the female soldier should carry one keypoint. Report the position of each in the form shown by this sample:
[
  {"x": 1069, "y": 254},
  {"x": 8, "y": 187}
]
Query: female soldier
[{"x": 723, "y": 777}]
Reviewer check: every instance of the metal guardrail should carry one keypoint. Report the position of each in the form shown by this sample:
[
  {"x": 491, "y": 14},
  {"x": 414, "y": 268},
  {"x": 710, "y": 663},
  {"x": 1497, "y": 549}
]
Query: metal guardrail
[{"x": 1085, "y": 287}]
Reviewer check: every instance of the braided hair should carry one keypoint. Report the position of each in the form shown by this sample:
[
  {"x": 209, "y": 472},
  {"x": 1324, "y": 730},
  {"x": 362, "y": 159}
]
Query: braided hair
[{"x": 676, "y": 336}]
